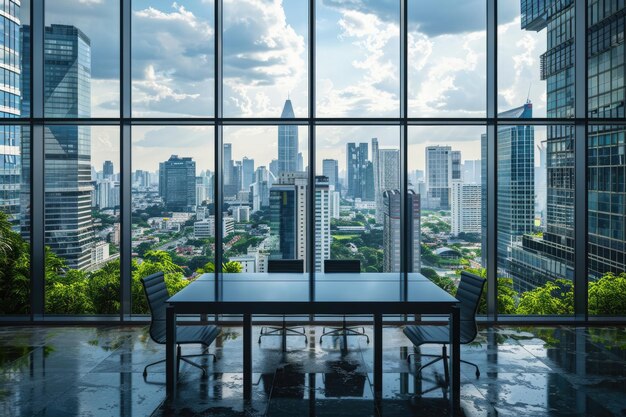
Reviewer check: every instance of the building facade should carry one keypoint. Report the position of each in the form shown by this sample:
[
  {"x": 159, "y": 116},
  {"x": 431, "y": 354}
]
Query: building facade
[
  {"x": 443, "y": 166},
  {"x": 177, "y": 183},
  {"x": 287, "y": 142},
  {"x": 466, "y": 208},
  {"x": 392, "y": 231}
]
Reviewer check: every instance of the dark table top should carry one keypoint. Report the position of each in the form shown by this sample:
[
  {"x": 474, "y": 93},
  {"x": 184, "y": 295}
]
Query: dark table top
[{"x": 246, "y": 292}]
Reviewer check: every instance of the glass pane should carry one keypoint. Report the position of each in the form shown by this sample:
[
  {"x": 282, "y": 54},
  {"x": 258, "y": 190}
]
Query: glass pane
[
  {"x": 605, "y": 62},
  {"x": 173, "y": 58},
  {"x": 606, "y": 158},
  {"x": 265, "y": 195},
  {"x": 535, "y": 219},
  {"x": 172, "y": 206},
  {"x": 265, "y": 57},
  {"x": 536, "y": 57},
  {"x": 82, "y": 219},
  {"x": 447, "y": 58},
  {"x": 10, "y": 59},
  {"x": 448, "y": 178},
  {"x": 359, "y": 209},
  {"x": 358, "y": 59},
  {"x": 82, "y": 59},
  {"x": 15, "y": 220}
]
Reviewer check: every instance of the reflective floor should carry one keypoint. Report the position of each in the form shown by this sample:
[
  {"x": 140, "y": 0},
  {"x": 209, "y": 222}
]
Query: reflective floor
[{"x": 87, "y": 371}]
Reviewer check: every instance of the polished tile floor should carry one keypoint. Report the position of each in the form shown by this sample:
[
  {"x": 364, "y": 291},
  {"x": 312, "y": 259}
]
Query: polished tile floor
[{"x": 87, "y": 371}]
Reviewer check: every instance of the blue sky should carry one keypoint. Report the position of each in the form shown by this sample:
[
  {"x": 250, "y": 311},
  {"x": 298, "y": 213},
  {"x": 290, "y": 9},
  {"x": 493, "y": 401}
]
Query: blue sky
[{"x": 266, "y": 57}]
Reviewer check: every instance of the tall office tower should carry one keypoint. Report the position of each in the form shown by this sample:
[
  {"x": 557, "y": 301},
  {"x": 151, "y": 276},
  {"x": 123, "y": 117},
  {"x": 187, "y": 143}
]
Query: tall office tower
[
  {"x": 392, "y": 233},
  {"x": 10, "y": 136},
  {"x": 388, "y": 177},
  {"x": 330, "y": 169},
  {"x": 177, "y": 183},
  {"x": 201, "y": 191},
  {"x": 550, "y": 256},
  {"x": 273, "y": 167},
  {"x": 227, "y": 170},
  {"x": 335, "y": 204},
  {"x": 322, "y": 222},
  {"x": 472, "y": 170},
  {"x": 247, "y": 172},
  {"x": 443, "y": 165},
  {"x": 357, "y": 167},
  {"x": 300, "y": 162},
  {"x": 287, "y": 142},
  {"x": 107, "y": 170},
  {"x": 68, "y": 186},
  {"x": 466, "y": 207},
  {"x": 516, "y": 183},
  {"x": 540, "y": 187},
  {"x": 283, "y": 222},
  {"x": 378, "y": 192},
  {"x": 236, "y": 178}
]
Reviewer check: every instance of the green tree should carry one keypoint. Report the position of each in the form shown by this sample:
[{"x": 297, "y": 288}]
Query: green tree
[
  {"x": 607, "y": 295},
  {"x": 229, "y": 267},
  {"x": 553, "y": 298}
]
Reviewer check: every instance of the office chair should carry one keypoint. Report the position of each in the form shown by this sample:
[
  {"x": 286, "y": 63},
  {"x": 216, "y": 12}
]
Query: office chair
[
  {"x": 469, "y": 293},
  {"x": 284, "y": 266},
  {"x": 157, "y": 295},
  {"x": 338, "y": 266}
]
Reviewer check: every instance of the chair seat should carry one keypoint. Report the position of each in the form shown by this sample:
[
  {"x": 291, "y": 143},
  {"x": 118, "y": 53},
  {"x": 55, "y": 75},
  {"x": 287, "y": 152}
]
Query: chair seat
[
  {"x": 420, "y": 335},
  {"x": 196, "y": 334}
]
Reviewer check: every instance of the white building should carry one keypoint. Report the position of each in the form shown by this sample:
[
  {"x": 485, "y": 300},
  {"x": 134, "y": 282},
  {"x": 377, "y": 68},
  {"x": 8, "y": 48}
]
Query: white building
[
  {"x": 466, "y": 206},
  {"x": 322, "y": 222},
  {"x": 241, "y": 214},
  {"x": 206, "y": 228},
  {"x": 99, "y": 253}
]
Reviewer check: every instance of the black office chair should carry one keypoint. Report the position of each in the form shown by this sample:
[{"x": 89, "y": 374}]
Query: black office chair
[
  {"x": 284, "y": 266},
  {"x": 337, "y": 266},
  {"x": 156, "y": 293},
  {"x": 469, "y": 293}
]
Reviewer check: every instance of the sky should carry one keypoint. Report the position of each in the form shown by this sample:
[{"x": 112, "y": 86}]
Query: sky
[{"x": 266, "y": 60}]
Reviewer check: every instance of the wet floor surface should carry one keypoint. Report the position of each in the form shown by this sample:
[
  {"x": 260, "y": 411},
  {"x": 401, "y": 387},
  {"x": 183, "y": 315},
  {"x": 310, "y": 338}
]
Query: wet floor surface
[{"x": 87, "y": 371}]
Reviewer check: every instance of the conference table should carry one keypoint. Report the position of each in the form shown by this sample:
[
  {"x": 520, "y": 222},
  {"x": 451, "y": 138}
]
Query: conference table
[{"x": 371, "y": 294}]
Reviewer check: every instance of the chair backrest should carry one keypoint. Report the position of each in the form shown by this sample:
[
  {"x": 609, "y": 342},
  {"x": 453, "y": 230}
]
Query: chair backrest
[
  {"x": 156, "y": 293},
  {"x": 348, "y": 265},
  {"x": 469, "y": 292},
  {"x": 285, "y": 265}
]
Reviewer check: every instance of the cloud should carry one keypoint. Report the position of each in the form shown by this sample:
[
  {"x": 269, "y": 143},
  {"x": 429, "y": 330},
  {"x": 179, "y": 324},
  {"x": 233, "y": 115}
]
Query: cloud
[
  {"x": 264, "y": 57},
  {"x": 433, "y": 18}
]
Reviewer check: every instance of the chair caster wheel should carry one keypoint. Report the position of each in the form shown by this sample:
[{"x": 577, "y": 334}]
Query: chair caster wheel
[
  {"x": 145, "y": 374},
  {"x": 477, "y": 374}
]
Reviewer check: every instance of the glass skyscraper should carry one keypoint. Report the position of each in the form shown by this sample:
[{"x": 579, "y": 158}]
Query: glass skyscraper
[
  {"x": 10, "y": 159},
  {"x": 177, "y": 183},
  {"x": 68, "y": 186},
  {"x": 287, "y": 142}
]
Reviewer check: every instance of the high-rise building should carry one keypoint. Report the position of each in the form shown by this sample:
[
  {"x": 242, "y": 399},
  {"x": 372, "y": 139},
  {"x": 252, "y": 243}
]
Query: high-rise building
[
  {"x": 443, "y": 166},
  {"x": 516, "y": 183},
  {"x": 360, "y": 172},
  {"x": 330, "y": 169},
  {"x": 177, "y": 183},
  {"x": 472, "y": 171},
  {"x": 466, "y": 208},
  {"x": 392, "y": 233},
  {"x": 287, "y": 142},
  {"x": 10, "y": 136},
  {"x": 107, "y": 170},
  {"x": 68, "y": 186},
  {"x": 247, "y": 172},
  {"x": 322, "y": 221}
]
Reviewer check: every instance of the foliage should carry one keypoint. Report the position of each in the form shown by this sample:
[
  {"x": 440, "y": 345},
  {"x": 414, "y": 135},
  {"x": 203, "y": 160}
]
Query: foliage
[
  {"x": 553, "y": 298},
  {"x": 607, "y": 295},
  {"x": 14, "y": 270},
  {"x": 228, "y": 267}
]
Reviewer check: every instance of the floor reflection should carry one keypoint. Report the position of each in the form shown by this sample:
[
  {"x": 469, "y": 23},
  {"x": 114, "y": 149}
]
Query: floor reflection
[{"x": 76, "y": 371}]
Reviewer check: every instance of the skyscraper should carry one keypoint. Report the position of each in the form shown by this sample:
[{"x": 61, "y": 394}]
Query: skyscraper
[
  {"x": 68, "y": 187},
  {"x": 287, "y": 142},
  {"x": 247, "y": 172},
  {"x": 177, "y": 183},
  {"x": 330, "y": 169},
  {"x": 360, "y": 172},
  {"x": 283, "y": 221},
  {"x": 466, "y": 208},
  {"x": 392, "y": 233},
  {"x": 10, "y": 136},
  {"x": 516, "y": 183},
  {"x": 322, "y": 222},
  {"x": 107, "y": 170},
  {"x": 443, "y": 165}
]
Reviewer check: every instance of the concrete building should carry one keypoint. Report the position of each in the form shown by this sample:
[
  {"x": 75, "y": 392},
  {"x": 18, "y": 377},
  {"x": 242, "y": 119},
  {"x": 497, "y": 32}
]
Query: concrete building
[
  {"x": 392, "y": 231},
  {"x": 177, "y": 183},
  {"x": 466, "y": 207}
]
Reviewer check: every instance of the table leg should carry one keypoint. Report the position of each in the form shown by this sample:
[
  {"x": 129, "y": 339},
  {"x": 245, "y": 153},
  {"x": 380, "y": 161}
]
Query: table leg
[
  {"x": 171, "y": 371},
  {"x": 455, "y": 361},
  {"x": 378, "y": 358},
  {"x": 247, "y": 356}
]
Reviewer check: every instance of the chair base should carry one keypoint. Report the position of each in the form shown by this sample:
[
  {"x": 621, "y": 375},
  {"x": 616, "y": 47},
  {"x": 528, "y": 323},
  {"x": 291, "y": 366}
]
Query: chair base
[
  {"x": 284, "y": 331},
  {"x": 443, "y": 357},
  {"x": 184, "y": 359},
  {"x": 344, "y": 331}
]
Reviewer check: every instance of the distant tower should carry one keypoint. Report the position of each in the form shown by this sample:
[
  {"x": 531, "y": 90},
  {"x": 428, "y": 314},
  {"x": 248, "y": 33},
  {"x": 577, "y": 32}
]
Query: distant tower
[
  {"x": 107, "y": 169},
  {"x": 287, "y": 142},
  {"x": 392, "y": 234},
  {"x": 177, "y": 183}
]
